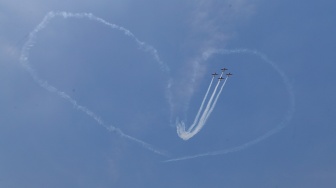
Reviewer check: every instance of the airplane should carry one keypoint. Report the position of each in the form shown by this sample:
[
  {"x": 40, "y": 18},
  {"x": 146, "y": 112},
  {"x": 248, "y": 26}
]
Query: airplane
[
  {"x": 229, "y": 74},
  {"x": 221, "y": 78},
  {"x": 224, "y": 69},
  {"x": 214, "y": 74}
]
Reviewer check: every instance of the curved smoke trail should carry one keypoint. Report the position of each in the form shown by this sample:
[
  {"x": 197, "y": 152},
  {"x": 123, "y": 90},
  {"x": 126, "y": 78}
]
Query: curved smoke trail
[
  {"x": 287, "y": 118},
  {"x": 24, "y": 60},
  {"x": 198, "y": 124}
]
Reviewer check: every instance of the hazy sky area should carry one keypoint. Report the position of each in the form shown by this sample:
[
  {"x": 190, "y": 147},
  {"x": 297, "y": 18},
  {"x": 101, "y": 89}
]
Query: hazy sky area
[{"x": 106, "y": 94}]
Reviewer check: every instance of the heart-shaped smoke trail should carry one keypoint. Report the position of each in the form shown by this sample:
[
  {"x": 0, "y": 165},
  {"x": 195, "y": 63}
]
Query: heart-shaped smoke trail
[{"x": 196, "y": 127}]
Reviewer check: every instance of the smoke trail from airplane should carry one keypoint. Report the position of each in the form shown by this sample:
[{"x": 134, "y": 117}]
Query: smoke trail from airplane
[
  {"x": 215, "y": 102},
  {"x": 201, "y": 107},
  {"x": 206, "y": 111},
  {"x": 24, "y": 60},
  {"x": 198, "y": 124},
  {"x": 285, "y": 121}
]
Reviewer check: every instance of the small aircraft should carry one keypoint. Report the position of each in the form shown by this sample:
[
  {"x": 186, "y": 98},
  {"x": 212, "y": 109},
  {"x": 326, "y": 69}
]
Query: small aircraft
[
  {"x": 214, "y": 74},
  {"x": 221, "y": 78},
  {"x": 229, "y": 74},
  {"x": 224, "y": 69}
]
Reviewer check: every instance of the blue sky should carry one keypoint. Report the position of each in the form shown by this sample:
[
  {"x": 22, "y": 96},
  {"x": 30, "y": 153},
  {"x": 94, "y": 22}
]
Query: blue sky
[{"x": 98, "y": 107}]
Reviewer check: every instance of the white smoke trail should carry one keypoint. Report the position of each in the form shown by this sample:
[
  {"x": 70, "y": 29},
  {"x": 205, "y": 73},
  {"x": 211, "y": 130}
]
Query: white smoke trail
[
  {"x": 215, "y": 102},
  {"x": 201, "y": 124},
  {"x": 285, "y": 121},
  {"x": 201, "y": 107},
  {"x": 198, "y": 125},
  {"x": 24, "y": 60}
]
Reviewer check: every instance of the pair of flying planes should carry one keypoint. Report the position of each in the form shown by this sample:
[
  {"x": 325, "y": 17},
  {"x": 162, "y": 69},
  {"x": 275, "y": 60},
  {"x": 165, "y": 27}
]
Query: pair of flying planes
[{"x": 223, "y": 70}]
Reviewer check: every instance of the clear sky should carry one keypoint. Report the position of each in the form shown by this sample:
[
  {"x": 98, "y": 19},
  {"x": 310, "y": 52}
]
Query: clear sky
[{"x": 105, "y": 93}]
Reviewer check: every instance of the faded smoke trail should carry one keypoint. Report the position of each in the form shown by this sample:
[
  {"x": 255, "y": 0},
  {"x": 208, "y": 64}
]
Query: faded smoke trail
[
  {"x": 201, "y": 107},
  {"x": 287, "y": 118},
  {"x": 24, "y": 60}
]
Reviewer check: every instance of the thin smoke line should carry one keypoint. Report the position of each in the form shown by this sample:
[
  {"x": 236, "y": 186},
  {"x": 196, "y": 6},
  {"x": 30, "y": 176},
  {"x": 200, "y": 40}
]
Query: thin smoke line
[
  {"x": 29, "y": 44},
  {"x": 201, "y": 122},
  {"x": 216, "y": 99},
  {"x": 201, "y": 107},
  {"x": 210, "y": 101}
]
